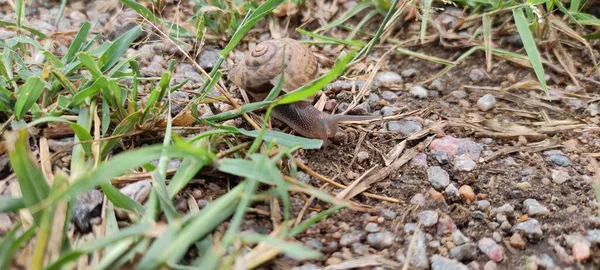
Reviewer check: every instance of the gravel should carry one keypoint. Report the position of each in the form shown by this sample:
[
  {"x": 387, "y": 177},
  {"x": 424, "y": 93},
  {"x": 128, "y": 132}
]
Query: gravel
[{"x": 438, "y": 177}]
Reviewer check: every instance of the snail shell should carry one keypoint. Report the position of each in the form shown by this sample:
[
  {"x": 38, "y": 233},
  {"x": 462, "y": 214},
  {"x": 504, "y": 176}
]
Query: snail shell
[{"x": 260, "y": 69}]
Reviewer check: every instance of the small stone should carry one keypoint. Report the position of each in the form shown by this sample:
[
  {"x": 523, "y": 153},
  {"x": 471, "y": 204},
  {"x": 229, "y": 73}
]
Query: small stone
[
  {"x": 138, "y": 191},
  {"x": 197, "y": 194},
  {"x": 409, "y": 73},
  {"x": 389, "y": 96},
  {"x": 418, "y": 256},
  {"x": 571, "y": 145},
  {"x": 380, "y": 240},
  {"x": 517, "y": 241},
  {"x": 559, "y": 176},
  {"x": 464, "y": 163},
  {"x": 388, "y": 214},
  {"x": 390, "y": 110},
  {"x": 348, "y": 239},
  {"x": 441, "y": 263},
  {"x": 362, "y": 156},
  {"x": 457, "y": 146},
  {"x": 559, "y": 160},
  {"x": 483, "y": 204},
  {"x": 373, "y": 99},
  {"x": 458, "y": 238},
  {"x": 388, "y": 78},
  {"x": 531, "y": 228},
  {"x": 361, "y": 109},
  {"x": 571, "y": 88},
  {"x": 313, "y": 243},
  {"x": 438, "y": 177},
  {"x": 466, "y": 252},
  {"x": 459, "y": 94},
  {"x": 303, "y": 177},
  {"x": 524, "y": 186},
  {"x": 405, "y": 127},
  {"x": 486, "y": 102},
  {"x": 87, "y": 206},
  {"x": 452, "y": 192},
  {"x": 5, "y": 223},
  {"x": 546, "y": 261},
  {"x": 506, "y": 209},
  {"x": 428, "y": 218},
  {"x": 491, "y": 249},
  {"x": 546, "y": 181},
  {"x": 490, "y": 265},
  {"x": 418, "y": 91},
  {"x": 418, "y": 199},
  {"x": 332, "y": 261},
  {"x": 208, "y": 59},
  {"x": 437, "y": 85},
  {"x": 372, "y": 227},
  {"x": 419, "y": 160},
  {"x": 441, "y": 157},
  {"x": 593, "y": 236},
  {"x": 505, "y": 226},
  {"x": 593, "y": 109},
  {"x": 478, "y": 215},
  {"x": 435, "y": 195},
  {"x": 534, "y": 208},
  {"x": 476, "y": 75},
  {"x": 581, "y": 251},
  {"x": 474, "y": 265},
  {"x": 466, "y": 192},
  {"x": 496, "y": 236}
]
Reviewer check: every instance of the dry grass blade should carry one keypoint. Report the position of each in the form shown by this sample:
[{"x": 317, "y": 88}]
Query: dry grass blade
[
  {"x": 365, "y": 261},
  {"x": 349, "y": 188}
]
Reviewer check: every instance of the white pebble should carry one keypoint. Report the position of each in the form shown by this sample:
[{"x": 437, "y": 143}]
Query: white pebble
[
  {"x": 418, "y": 91},
  {"x": 486, "y": 102}
]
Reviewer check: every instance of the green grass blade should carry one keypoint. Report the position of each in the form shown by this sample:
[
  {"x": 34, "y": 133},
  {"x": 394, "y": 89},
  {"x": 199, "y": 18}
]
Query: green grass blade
[
  {"x": 121, "y": 200},
  {"x": 530, "y": 47},
  {"x": 28, "y": 94},
  {"x": 11, "y": 243},
  {"x": 114, "y": 52},
  {"x": 10, "y": 204},
  {"x": 78, "y": 42},
  {"x": 29, "y": 174}
]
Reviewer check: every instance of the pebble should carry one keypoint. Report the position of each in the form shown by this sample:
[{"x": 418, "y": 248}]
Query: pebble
[
  {"x": 405, "y": 127},
  {"x": 496, "y": 236},
  {"x": 389, "y": 96},
  {"x": 442, "y": 263},
  {"x": 506, "y": 209},
  {"x": 505, "y": 226},
  {"x": 372, "y": 227},
  {"x": 208, "y": 59},
  {"x": 303, "y": 177},
  {"x": 361, "y": 109},
  {"x": 418, "y": 256},
  {"x": 313, "y": 243},
  {"x": 437, "y": 84},
  {"x": 490, "y": 265},
  {"x": 466, "y": 192},
  {"x": 476, "y": 75},
  {"x": 546, "y": 261},
  {"x": 373, "y": 99},
  {"x": 388, "y": 78},
  {"x": 457, "y": 146},
  {"x": 483, "y": 204},
  {"x": 571, "y": 88},
  {"x": 474, "y": 265},
  {"x": 329, "y": 261},
  {"x": 478, "y": 215},
  {"x": 466, "y": 252},
  {"x": 428, "y": 218},
  {"x": 559, "y": 160},
  {"x": 438, "y": 177},
  {"x": 389, "y": 214},
  {"x": 593, "y": 236},
  {"x": 452, "y": 192},
  {"x": 138, "y": 191},
  {"x": 517, "y": 241},
  {"x": 380, "y": 240},
  {"x": 418, "y": 199},
  {"x": 458, "y": 238},
  {"x": 571, "y": 145},
  {"x": 581, "y": 251},
  {"x": 531, "y": 228},
  {"x": 534, "y": 208},
  {"x": 441, "y": 157},
  {"x": 486, "y": 102},
  {"x": 87, "y": 207},
  {"x": 350, "y": 238},
  {"x": 362, "y": 156},
  {"x": 593, "y": 109},
  {"x": 390, "y": 110},
  {"x": 464, "y": 163},
  {"x": 5, "y": 223},
  {"x": 460, "y": 94},
  {"x": 419, "y": 160},
  {"x": 360, "y": 249},
  {"x": 559, "y": 176},
  {"x": 418, "y": 91},
  {"x": 491, "y": 249},
  {"x": 524, "y": 186},
  {"x": 409, "y": 73}
]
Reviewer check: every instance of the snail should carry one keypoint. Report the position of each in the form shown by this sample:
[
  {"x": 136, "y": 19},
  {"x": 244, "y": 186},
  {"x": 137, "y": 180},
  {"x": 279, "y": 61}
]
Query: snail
[{"x": 260, "y": 70}]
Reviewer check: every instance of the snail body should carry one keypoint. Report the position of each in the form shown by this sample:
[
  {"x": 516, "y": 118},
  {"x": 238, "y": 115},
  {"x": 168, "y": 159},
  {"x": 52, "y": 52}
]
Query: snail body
[{"x": 260, "y": 70}]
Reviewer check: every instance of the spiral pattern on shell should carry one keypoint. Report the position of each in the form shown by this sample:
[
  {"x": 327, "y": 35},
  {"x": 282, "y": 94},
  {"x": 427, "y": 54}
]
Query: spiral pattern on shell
[{"x": 261, "y": 68}]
